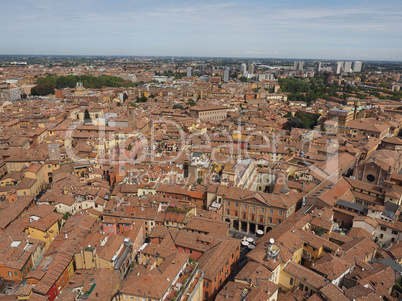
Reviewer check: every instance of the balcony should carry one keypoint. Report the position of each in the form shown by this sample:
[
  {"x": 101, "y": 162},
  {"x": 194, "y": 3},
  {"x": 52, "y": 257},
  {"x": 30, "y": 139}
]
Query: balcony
[{"x": 180, "y": 289}]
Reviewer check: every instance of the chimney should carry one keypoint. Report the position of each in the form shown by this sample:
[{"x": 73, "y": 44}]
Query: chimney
[{"x": 12, "y": 196}]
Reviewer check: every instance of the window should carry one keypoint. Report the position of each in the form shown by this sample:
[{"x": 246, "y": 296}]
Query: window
[
  {"x": 228, "y": 203},
  {"x": 301, "y": 286},
  {"x": 262, "y": 209},
  {"x": 237, "y": 205},
  {"x": 244, "y": 206},
  {"x": 291, "y": 281},
  {"x": 10, "y": 274},
  {"x": 15, "y": 273},
  {"x": 370, "y": 178},
  {"x": 206, "y": 295},
  {"x": 394, "y": 232},
  {"x": 271, "y": 211},
  {"x": 280, "y": 212},
  {"x": 206, "y": 283},
  {"x": 383, "y": 228},
  {"x": 253, "y": 208},
  {"x": 227, "y": 212}
]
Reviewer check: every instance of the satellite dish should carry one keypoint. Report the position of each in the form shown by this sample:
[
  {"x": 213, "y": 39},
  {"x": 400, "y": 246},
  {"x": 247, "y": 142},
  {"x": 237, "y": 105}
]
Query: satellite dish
[{"x": 271, "y": 240}]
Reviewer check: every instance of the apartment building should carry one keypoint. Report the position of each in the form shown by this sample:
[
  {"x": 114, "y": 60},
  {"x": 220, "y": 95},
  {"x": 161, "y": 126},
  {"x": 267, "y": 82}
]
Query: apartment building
[{"x": 209, "y": 113}]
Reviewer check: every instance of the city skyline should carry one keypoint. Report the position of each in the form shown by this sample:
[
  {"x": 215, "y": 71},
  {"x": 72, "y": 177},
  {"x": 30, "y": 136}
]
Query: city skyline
[{"x": 357, "y": 30}]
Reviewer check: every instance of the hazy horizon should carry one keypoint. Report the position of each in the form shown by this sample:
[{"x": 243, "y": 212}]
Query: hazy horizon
[{"x": 197, "y": 57}]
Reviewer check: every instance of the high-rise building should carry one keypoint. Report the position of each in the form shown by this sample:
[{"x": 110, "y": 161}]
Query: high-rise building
[
  {"x": 190, "y": 72},
  {"x": 338, "y": 67},
  {"x": 226, "y": 74},
  {"x": 265, "y": 76},
  {"x": 298, "y": 65},
  {"x": 251, "y": 68},
  {"x": 347, "y": 67},
  {"x": 243, "y": 69},
  {"x": 318, "y": 67},
  {"x": 357, "y": 66}
]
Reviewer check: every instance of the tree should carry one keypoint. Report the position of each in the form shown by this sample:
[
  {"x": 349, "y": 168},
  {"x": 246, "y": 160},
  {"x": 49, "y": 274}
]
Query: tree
[
  {"x": 142, "y": 99},
  {"x": 43, "y": 89},
  {"x": 62, "y": 82},
  {"x": 293, "y": 122},
  {"x": 176, "y": 106},
  {"x": 87, "y": 116},
  {"x": 66, "y": 215},
  {"x": 191, "y": 102},
  {"x": 89, "y": 81},
  {"x": 301, "y": 120}
]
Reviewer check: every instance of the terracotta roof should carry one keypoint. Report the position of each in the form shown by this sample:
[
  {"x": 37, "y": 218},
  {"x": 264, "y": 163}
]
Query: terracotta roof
[
  {"x": 213, "y": 260},
  {"x": 304, "y": 274},
  {"x": 141, "y": 281},
  {"x": 333, "y": 293},
  {"x": 207, "y": 225},
  {"x": 332, "y": 267}
]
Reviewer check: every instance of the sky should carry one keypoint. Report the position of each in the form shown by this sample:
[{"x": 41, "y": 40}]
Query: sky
[{"x": 299, "y": 29}]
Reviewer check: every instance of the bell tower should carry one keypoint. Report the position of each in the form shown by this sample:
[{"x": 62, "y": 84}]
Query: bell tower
[
  {"x": 356, "y": 105},
  {"x": 130, "y": 117}
]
